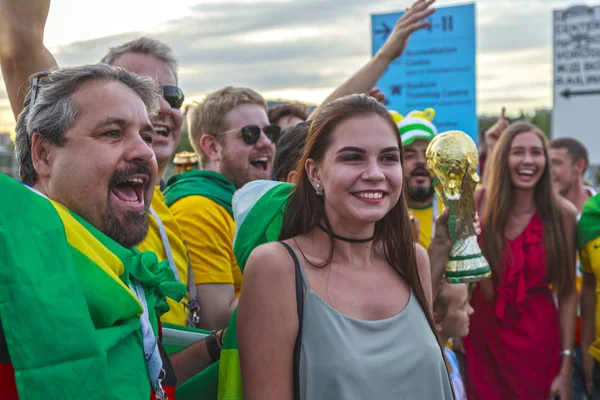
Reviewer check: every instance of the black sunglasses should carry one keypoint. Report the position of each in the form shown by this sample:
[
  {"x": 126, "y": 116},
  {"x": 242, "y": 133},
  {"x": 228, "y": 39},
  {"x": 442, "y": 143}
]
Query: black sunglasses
[
  {"x": 173, "y": 95},
  {"x": 251, "y": 133},
  {"x": 35, "y": 82}
]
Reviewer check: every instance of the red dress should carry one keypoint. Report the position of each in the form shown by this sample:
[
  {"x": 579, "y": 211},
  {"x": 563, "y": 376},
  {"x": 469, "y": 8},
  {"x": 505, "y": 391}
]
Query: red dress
[{"x": 513, "y": 347}]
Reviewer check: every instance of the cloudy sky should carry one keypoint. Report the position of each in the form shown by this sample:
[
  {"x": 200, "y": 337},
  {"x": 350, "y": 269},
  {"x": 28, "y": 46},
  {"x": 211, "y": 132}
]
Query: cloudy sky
[{"x": 299, "y": 49}]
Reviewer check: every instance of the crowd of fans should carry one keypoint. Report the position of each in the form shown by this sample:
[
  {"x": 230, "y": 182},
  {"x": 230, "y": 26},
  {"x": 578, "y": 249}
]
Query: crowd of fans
[{"x": 291, "y": 256}]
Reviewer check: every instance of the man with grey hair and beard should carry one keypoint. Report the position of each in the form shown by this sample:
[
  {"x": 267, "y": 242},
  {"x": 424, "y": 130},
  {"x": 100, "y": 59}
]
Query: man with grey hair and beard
[
  {"x": 84, "y": 146},
  {"x": 22, "y": 53}
]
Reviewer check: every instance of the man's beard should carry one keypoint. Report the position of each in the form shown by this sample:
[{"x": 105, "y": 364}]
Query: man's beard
[
  {"x": 131, "y": 232},
  {"x": 229, "y": 169},
  {"x": 420, "y": 194},
  {"x": 134, "y": 226},
  {"x": 232, "y": 169}
]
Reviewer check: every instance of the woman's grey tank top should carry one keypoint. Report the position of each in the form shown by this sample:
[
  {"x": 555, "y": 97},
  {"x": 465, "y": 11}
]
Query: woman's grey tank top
[{"x": 343, "y": 358}]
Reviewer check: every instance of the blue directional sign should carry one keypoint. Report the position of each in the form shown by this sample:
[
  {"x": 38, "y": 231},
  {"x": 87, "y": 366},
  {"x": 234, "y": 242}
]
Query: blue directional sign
[{"x": 436, "y": 70}]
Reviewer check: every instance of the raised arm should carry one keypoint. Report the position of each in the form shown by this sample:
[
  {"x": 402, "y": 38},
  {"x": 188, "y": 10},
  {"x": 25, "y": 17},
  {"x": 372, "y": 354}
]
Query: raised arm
[
  {"x": 492, "y": 135},
  {"x": 22, "y": 50},
  {"x": 364, "y": 80}
]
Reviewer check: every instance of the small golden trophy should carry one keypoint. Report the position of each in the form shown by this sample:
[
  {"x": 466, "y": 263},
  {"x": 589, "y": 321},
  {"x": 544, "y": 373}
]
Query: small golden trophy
[{"x": 452, "y": 159}]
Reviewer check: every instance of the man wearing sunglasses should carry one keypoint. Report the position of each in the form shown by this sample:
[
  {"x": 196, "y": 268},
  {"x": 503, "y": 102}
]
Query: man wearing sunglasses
[
  {"x": 235, "y": 144},
  {"x": 152, "y": 58},
  {"x": 22, "y": 53}
]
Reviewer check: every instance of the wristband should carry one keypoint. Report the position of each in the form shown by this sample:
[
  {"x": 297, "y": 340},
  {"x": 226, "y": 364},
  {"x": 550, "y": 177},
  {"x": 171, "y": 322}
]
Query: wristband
[
  {"x": 566, "y": 353},
  {"x": 220, "y": 335}
]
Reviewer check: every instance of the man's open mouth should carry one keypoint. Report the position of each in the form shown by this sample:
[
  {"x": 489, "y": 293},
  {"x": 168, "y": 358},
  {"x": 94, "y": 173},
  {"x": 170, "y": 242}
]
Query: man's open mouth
[
  {"x": 420, "y": 173},
  {"x": 162, "y": 130},
  {"x": 261, "y": 163},
  {"x": 131, "y": 191}
]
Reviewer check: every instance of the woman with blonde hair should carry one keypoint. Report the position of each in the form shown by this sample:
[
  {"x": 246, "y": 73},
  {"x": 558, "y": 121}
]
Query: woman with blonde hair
[{"x": 519, "y": 345}]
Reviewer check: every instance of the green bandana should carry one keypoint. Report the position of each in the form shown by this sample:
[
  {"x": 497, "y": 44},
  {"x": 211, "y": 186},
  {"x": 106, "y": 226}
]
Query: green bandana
[{"x": 209, "y": 184}]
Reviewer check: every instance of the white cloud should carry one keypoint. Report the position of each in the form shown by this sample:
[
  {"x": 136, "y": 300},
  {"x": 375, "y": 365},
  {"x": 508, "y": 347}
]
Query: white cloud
[
  {"x": 300, "y": 49},
  {"x": 286, "y": 35}
]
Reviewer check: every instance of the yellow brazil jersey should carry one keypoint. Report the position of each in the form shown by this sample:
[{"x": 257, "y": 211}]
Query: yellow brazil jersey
[
  {"x": 208, "y": 230},
  {"x": 590, "y": 261},
  {"x": 426, "y": 216},
  {"x": 153, "y": 242}
]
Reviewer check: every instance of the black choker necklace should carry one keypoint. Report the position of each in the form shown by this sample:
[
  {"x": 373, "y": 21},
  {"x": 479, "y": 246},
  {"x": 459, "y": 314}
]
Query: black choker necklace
[{"x": 345, "y": 239}]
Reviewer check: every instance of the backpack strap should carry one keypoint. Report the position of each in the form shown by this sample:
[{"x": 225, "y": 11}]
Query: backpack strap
[{"x": 300, "y": 305}]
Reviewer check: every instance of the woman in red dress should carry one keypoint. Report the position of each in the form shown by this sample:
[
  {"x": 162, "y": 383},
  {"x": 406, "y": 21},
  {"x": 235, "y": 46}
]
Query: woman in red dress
[{"x": 519, "y": 345}]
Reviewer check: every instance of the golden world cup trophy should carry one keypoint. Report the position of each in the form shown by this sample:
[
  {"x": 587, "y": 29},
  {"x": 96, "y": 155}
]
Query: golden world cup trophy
[{"x": 452, "y": 159}]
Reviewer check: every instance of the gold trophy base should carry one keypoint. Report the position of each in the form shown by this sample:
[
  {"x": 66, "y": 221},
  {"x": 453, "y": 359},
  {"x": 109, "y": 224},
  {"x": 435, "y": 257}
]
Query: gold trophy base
[{"x": 466, "y": 263}]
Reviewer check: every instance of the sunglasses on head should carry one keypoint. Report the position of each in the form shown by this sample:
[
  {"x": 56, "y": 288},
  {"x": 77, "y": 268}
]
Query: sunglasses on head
[
  {"x": 35, "y": 82},
  {"x": 173, "y": 95},
  {"x": 251, "y": 133}
]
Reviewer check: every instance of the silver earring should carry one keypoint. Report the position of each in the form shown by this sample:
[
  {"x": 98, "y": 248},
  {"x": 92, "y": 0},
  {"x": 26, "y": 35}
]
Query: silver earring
[{"x": 319, "y": 189}]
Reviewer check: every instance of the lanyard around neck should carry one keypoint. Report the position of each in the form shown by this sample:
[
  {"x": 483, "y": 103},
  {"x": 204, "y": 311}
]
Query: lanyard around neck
[
  {"x": 154, "y": 363},
  {"x": 165, "y": 242}
]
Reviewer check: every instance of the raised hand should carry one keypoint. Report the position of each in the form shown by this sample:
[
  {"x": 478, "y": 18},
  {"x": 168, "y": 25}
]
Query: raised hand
[
  {"x": 22, "y": 18},
  {"x": 440, "y": 246},
  {"x": 493, "y": 133},
  {"x": 413, "y": 19},
  {"x": 442, "y": 235},
  {"x": 22, "y": 50},
  {"x": 377, "y": 94}
]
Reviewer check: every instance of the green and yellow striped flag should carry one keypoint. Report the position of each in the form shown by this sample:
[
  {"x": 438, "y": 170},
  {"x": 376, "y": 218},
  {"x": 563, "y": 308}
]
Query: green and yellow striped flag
[
  {"x": 258, "y": 209},
  {"x": 70, "y": 322}
]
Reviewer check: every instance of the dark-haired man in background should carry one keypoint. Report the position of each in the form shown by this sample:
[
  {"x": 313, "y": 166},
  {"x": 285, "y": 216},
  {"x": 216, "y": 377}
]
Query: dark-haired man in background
[{"x": 287, "y": 115}]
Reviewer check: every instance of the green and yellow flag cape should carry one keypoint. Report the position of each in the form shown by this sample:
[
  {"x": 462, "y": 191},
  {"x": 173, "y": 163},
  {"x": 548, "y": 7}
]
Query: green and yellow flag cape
[
  {"x": 258, "y": 208},
  {"x": 69, "y": 319}
]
